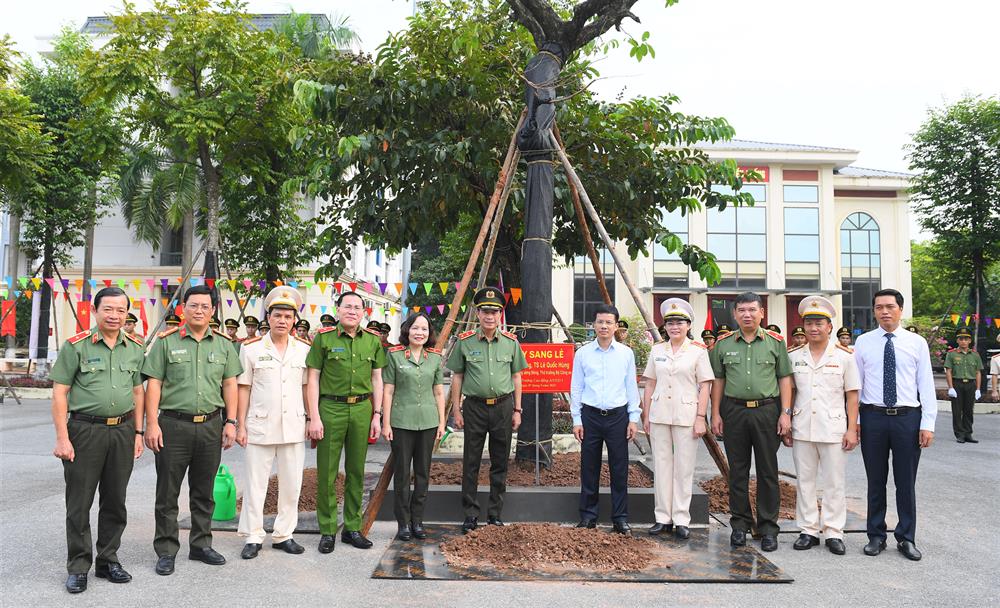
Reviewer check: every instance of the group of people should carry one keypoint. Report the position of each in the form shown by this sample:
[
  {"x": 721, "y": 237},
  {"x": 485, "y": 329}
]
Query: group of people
[{"x": 196, "y": 390}]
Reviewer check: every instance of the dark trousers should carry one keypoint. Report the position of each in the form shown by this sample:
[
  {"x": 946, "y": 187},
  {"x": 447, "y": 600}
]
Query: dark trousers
[
  {"x": 482, "y": 420},
  {"x": 104, "y": 456},
  {"x": 194, "y": 449},
  {"x": 411, "y": 448},
  {"x": 598, "y": 431},
  {"x": 900, "y": 435},
  {"x": 752, "y": 431},
  {"x": 962, "y": 408}
]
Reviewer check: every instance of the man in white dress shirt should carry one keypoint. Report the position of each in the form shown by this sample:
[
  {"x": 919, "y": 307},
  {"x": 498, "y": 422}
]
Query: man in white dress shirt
[
  {"x": 272, "y": 422},
  {"x": 898, "y": 409}
]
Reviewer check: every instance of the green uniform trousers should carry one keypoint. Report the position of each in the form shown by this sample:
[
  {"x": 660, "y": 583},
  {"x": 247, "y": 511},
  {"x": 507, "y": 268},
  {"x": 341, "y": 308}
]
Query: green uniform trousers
[
  {"x": 194, "y": 449},
  {"x": 411, "y": 450},
  {"x": 962, "y": 408},
  {"x": 480, "y": 420},
  {"x": 104, "y": 456},
  {"x": 753, "y": 430},
  {"x": 345, "y": 428}
]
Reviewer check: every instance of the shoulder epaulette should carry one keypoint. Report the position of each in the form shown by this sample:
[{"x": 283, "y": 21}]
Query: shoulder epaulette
[
  {"x": 222, "y": 334},
  {"x": 251, "y": 340},
  {"x": 374, "y": 333},
  {"x": 167, "y": 332},
  {"x": 699, "y": 344},
  {"x": 303, "y": 340},
  {"x": 78, "y": 337},
  {"x": 795, "y": 348},
  {"x": 510, "y": 335},
  {"x": 723, "y": 336},
  {"x": 396, "y": 349},
  {"x": 436, "y": 351},
  {"x": 134, "y": 339},
  {"x": 774, "y": 335},
  {"x": 846, "y": 349},
  {"x": 466, "y": 334},
  {"x": 324, "y": 330}
]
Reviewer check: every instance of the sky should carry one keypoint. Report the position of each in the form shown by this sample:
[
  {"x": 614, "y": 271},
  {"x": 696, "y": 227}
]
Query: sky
[{"x": 858, "y": 74}]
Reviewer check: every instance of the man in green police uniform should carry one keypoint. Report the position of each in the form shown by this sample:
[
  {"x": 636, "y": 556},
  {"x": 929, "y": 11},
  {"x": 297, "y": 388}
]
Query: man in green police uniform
[
  {"x": 344, "y": 391},
  {"x": 192, "y": 374},
  {"x": 963, "y": 369},
  {"x": 486, "y": 365},
  {"x": 752, "y": 369},
  {"x": 97, "y": 385}
]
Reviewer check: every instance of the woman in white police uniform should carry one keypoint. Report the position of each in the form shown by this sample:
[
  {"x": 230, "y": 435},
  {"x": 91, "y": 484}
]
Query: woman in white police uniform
[{"x": 678, "y": 384}]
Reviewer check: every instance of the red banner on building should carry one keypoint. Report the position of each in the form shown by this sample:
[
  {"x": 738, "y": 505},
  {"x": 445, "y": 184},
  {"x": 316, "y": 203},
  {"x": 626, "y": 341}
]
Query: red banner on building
[
  {"x": 550, "y": 368},
  {"x": 82, "y": 316},
  {"x": 9, "y": 314}
]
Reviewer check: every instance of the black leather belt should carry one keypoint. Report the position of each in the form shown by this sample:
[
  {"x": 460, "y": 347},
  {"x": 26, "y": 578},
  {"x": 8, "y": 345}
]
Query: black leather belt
[
  {"x": 195, "y": 418},
  {"x": 607, "y": 412},
  {"x": 754, "y": 403},
  {"x": 491, "y": 400},
  {"x": 350, "y": 399},
  {"x": 963, "y": 380},
  {"x": 889, "y": 411},
  {"x": 100, "y": 419}
]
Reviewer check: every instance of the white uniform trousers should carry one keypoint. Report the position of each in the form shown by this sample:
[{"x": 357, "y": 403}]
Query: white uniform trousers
[
  {"x": 259, "y": 458},
  {"x": 813, "y": 459},
  {"x": 674, "y": 451}
]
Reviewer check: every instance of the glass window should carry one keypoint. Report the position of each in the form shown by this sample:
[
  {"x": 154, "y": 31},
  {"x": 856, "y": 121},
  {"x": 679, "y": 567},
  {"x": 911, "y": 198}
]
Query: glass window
[
  {"x": 801, "y": 221},
  {"x": 723, "y": 246},
  {"x": 860, "y": 269},
  {"x": 801, "y": 194},
  {"x": 751, "y": 248},
  {"x": 722, "y": 221},
  {"x": 586, "y": 291},
  {"x": 758, "y": 191},
  {"x": 678, "y": 224},
  {"x": 801, "y": 248},
  {"x": 751, "y": 220},
  {"x": 738, "y": 234},
  {"x": 801, "y": 234}
]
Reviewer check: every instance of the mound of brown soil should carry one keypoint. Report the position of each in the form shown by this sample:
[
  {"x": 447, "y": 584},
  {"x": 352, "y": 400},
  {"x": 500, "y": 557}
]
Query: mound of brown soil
[
  {"x": 565, "y": 471},
  {"x": 307, "y": 498},
  {"x": 718, "y": 496}
]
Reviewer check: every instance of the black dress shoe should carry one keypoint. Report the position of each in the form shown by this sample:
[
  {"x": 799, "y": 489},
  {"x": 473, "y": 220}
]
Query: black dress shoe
[
  {"x": 769, "y": 542},
  {"x": 682, "y": 532},
  {"x": 207, "y": 555},
  {"x": 404, "y": 532},
  {"x": 250, "y": 550},
  {"x": 836, "y": 546},
  {"x": 418, "y": 531},
  {"x": 165, "y": 565},
  {"x": 659, "y": 528},
  {"x": 289, "y": 546},
  {"x": 960, "y": 439},
  {"x": 969, "y": 439},
  {"x": 470, "y": 524},
  {"x": 355, "y": 539},
  {"x": 494, "y": 521},
  {"x": 806, "y": 541},
  {"x": 112, "y": 571},
  {"x": 75, "y": 583},
  {"x": 874, "y": 547},
  {"x": 738, "y": 538},
  {"x": 909, "y": 550},
  {"x": 622, "y": 527},
  {"x": 326, "y": 543},
  {"x": 587, "y": 523}
]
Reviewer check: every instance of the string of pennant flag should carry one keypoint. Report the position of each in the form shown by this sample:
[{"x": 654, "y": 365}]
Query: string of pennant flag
[{"x": 973, "y": 320}]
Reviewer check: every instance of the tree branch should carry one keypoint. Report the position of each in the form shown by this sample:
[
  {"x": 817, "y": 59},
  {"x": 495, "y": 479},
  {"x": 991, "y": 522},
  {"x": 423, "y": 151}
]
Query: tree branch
[{"x": 591, "y": 19}]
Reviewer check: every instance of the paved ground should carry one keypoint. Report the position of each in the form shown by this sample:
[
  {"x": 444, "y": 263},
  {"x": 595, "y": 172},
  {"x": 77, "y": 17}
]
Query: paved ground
[{"x": 957, "y": 531}]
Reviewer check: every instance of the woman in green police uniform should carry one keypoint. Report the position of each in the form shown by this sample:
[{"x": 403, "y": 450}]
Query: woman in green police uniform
[{"x": 413, "y": 418}]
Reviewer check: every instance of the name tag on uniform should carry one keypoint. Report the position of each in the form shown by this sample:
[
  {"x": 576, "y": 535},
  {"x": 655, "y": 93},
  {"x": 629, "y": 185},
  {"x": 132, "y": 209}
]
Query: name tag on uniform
[
  {"x": 94, "y": 360},
  {"x": 832, "y": 365},
  {"x": 803, "y": 363},
  {"x": 475, "y": 352},
  {"x": 265, "y": 358},
  {"x": 180, "y": 351},
  {"x": 661, "y": 359},
  {"x": 338, "y": 349}
]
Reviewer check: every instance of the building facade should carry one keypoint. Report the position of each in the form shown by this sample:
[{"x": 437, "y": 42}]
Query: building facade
[{"x": 818, "y": 226}]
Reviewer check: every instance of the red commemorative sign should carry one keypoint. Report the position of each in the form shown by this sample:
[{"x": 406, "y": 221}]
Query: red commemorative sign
[{"x": 550, "y": 368}]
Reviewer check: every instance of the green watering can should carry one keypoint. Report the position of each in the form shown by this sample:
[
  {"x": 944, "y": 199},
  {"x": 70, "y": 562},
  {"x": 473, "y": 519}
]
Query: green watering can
[{"x": 225, "y": 495}]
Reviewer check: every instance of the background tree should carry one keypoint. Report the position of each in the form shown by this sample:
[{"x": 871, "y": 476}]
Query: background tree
[
  {"x": 23, "y": 144},
  {"x": 956, "y": 155}
]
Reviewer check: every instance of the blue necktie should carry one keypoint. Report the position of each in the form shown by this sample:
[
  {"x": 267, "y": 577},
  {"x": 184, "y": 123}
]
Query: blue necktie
[{"x": 889, "y": 372}]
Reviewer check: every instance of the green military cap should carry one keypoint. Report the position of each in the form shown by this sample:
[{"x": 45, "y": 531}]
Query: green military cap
[
  {"x": 131, "y": 318},
  {"x": 707, "y": 333},
  {"x": 912, "y": 328},
  {"x": 843, "y": 331},
  {"x": 213, "y": 323},
  {"x": 173, "y": 319},
  {"x": 385, "y": 327},
  {"x": 622, "y": 324},
  {"x": 723, "y": 328},
  {"x": 248, "y": 320},
  {"x": 774, "y": 328},
  {"x": 963, "y": 332},
  {"x": 303, "y": 324},
  {"x": 798, "y": 331},
  {"x": 374, "y": 326},
  {"x": 489, "y": 298},
  {"x": 327, "y": 320},
  {"x": 231, "y": 323},
  {"x": 264, "y": 326}
]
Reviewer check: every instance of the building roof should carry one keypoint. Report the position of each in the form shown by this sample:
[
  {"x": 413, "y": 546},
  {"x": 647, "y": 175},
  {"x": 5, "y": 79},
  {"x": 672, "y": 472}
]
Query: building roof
[
  {"x": 264, "y": 21},
  {"x": 766, "y": 146},
  {"x": 863, "y": 172}
]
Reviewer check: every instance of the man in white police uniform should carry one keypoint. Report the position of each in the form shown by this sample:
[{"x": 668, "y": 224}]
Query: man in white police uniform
[
  {"x": 824, "y": 425},
  {"x": 272, "y": 422}
]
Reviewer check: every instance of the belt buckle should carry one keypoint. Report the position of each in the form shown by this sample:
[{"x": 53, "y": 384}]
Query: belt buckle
[
  {"x": 753, "y": 403},
  {"x": 491, "y": 401},
  {"x": 604, "y": 412},
  {"x": 351, "y": 400},
  {"x": 113, "y": 421},
  {"x": 199, "y": 418},
  {"x": 891, "y": 411}
]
